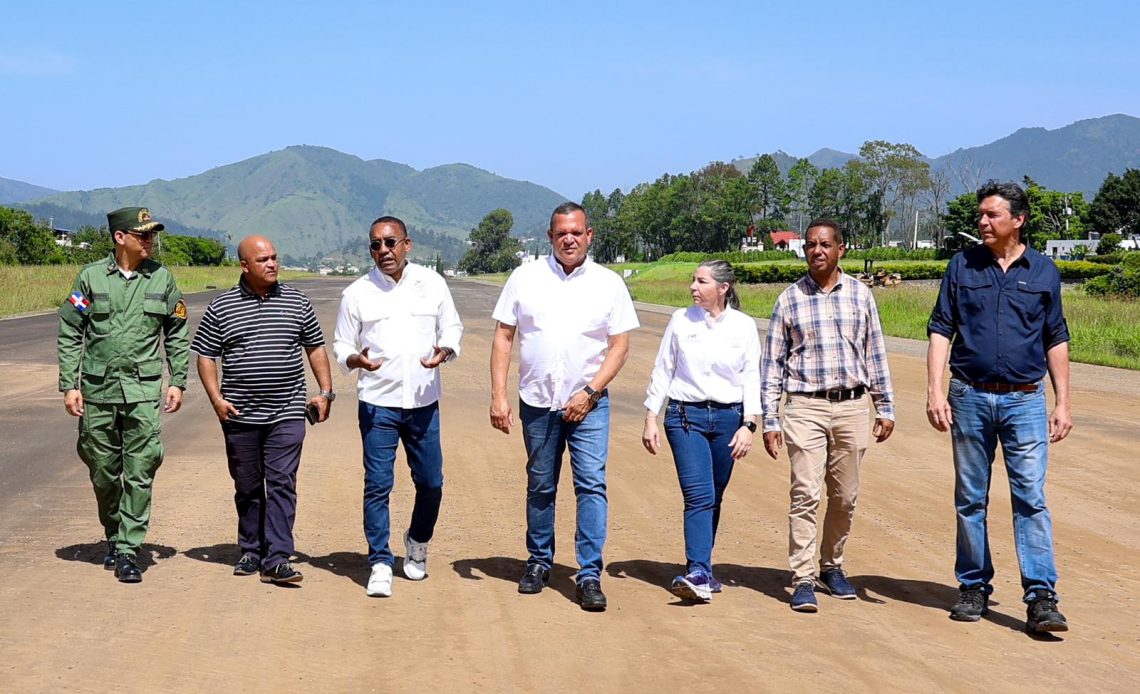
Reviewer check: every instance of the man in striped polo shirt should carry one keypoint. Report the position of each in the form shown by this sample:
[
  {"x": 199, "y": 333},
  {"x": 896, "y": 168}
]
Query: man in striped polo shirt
[
  {"x": 258, "y": 329},
  {"x": 825, "y": 350}
]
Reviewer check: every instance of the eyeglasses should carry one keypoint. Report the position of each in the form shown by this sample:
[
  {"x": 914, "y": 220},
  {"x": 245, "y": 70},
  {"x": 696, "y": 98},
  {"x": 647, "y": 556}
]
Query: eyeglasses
[
  {"x": 144, "y": 236},
  {"x": 389, "y": 242}
]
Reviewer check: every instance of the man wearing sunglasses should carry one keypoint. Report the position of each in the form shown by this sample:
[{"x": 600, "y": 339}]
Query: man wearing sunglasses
[
  {"x": 395, "y": 326},
  {"x": 122, "y": 313}
]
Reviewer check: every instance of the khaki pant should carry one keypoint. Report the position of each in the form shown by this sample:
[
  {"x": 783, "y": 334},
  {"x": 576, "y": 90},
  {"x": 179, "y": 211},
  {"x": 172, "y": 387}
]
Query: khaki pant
[{"x": 826, "y": 441}]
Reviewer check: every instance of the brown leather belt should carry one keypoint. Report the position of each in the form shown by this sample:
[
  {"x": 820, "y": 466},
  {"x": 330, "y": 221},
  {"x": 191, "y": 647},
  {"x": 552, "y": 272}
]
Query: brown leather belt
[{"x": 1004, "y": 387}]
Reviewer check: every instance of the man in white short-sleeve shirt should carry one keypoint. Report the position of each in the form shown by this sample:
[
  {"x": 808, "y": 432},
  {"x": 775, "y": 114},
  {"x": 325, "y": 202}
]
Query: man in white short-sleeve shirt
[{"x": 573, "y": 319}]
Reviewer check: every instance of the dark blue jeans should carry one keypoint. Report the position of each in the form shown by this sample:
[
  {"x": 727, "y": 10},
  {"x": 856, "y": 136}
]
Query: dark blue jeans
[
  {"x": 1019, "y": 422},
  {"x": 263, "y": 461},
  {"x": 381, "y": 428},
  {"x": 700, "y": 437},
  {"x": 547, "y": 436}
]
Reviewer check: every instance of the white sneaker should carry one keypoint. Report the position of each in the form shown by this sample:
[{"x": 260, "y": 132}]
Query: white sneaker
[
  {"x": 380, "y": 582},
  {"x": 415, "y": 559}
]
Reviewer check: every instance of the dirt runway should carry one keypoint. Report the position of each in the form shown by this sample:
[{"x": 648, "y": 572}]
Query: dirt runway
[{"x": 192, "y": 626}]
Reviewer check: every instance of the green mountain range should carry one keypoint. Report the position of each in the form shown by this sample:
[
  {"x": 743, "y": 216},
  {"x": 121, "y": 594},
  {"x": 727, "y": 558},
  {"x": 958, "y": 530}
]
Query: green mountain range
[
  {"x": 1075, "y": 158},
  {"x": 18, "y": 191},
  {"x": 313, "y": 200}
]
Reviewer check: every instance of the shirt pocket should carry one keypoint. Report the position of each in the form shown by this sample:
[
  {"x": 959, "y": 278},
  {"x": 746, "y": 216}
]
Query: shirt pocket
[
  {"x": 99, "y": 318},
  {"x": 155, "y": 311},
  {"x": 975, "y": 295},
  {"x": 1028, "y": 302},
  {"x": 423, "y": 314}
]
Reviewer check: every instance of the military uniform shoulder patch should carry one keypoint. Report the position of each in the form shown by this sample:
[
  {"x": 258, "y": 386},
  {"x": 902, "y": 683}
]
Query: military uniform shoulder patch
[
  {"x": 180, "y": 310},
  {"x": 80, "y": 302}
]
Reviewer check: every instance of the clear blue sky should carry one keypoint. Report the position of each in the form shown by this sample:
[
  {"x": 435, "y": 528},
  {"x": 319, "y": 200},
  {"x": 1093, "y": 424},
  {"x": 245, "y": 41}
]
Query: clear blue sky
[{"x": 574, "y": 96}]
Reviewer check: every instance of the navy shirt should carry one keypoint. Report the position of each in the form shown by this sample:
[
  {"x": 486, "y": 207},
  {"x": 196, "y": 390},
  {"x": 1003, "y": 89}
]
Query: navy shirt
[{"x": 1000, "y": 324}]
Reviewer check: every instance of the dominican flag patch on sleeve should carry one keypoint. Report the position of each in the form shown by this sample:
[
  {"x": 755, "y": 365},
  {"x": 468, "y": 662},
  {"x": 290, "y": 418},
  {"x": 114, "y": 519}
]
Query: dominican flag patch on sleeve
[{"x": 79, "y": 301}]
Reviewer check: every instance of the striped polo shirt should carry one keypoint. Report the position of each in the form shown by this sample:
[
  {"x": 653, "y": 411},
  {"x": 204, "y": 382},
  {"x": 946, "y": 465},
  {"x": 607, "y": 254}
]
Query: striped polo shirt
[{"x": 259, "y": 341}]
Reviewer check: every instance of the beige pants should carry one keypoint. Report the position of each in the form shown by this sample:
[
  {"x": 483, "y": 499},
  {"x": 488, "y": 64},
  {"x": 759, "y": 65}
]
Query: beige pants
[{"x": 826, "y": 440}]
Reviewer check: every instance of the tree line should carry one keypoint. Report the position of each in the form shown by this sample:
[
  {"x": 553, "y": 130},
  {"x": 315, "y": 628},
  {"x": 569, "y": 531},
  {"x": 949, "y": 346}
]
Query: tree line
[
  {"x": 888, "y": 194},
  {"x": 26, "y": 241}
]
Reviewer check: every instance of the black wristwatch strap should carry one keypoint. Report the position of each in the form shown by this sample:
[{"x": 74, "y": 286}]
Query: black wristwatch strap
[
  {"x": 594, "y": 395},
  {"x": 751, "y": 426}
]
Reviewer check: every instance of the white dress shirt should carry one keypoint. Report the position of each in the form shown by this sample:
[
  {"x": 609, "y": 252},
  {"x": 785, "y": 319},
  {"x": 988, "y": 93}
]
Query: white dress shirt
[
  {"x": 563, "y": 323},
  {"x": 705, "y": 358},
  {"x": 400, "y": 322}
]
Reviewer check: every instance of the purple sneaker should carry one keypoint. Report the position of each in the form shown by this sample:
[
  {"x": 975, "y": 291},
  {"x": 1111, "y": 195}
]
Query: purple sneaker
[
  {"x": 694, "y": 585},
  {"x": 715, "y": 585}
]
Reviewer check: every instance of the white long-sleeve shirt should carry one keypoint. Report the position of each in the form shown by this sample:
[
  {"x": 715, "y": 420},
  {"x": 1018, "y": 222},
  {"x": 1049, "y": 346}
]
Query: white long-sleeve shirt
[
  {"x": 705, "y": 358},
  {"x": 400, "y": 322},
  {"x": 564, "y": 323}
]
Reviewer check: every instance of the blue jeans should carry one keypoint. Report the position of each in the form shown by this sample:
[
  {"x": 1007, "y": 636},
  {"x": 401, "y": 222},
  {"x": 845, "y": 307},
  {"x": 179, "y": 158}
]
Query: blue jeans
[
  {"x": 1019, "y": 422},
  {"x": 381, "y": 428},
  {"x": 547, "y": 436},
  {"x": 700, "y": 438}
]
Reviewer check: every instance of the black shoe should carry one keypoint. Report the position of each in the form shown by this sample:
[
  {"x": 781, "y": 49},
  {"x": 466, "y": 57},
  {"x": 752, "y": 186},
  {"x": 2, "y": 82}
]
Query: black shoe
[
  {"x": 110, "y": 557},
  {"x": 1042, "y": 614},
  {"x": 281, "y": 574},
  {"x": 126, "y": 570},
  {"x": 590, "y": 595},
  {"x": 247, "y": 565},
  {"x": 972, "y": 605},
  {"x": 534, "y": 580}
]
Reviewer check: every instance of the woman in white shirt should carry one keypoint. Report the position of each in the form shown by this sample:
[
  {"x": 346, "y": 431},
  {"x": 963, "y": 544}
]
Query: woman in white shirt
[{"x": 708, "y": 373}]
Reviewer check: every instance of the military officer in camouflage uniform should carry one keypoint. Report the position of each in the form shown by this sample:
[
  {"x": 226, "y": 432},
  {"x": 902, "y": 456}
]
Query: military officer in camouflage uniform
[{"x": 110, "y": 371}]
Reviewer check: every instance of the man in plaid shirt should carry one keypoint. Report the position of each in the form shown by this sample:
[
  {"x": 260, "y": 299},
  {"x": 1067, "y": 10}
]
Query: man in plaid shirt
[{"x": 825, "y": 349}]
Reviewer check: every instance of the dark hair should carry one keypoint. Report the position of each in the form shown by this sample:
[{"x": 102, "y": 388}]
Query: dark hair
[
  {"x": 386, "y": 219},
  {"x": 1008, "y": 191},
  {"x": 825, "y": 222},
  {"x": 568, "y": 208},
  {"x": 721, "y": 271}
]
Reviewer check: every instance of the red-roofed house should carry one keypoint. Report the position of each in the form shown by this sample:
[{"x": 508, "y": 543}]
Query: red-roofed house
[{"x": 787, "y": 241}]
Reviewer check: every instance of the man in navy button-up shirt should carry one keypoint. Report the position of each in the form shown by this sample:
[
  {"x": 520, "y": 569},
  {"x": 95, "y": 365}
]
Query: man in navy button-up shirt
[{"x": 1000, "y": 306}]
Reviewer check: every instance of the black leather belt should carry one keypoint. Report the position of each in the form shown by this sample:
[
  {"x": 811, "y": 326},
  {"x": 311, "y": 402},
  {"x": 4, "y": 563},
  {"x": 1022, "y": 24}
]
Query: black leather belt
[
  {"x": 706, "y": 404},
  {"x": 838, "y": 395},
  {"x": 1004, "y": 387}
]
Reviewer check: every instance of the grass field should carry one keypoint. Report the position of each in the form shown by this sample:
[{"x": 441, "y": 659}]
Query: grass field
[
  {"x": 33, "y": 288},
  {"x": 1103, "y": 331}
]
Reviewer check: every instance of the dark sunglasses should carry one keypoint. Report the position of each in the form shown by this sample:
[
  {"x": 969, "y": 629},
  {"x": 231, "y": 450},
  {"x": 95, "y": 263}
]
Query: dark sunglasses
[
  {"x": 389, "y": 242},
  {"x": 144, "y": 236}
]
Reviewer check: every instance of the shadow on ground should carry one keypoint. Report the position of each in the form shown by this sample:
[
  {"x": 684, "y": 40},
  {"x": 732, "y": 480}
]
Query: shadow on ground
[
  {"x": 510, "y": 570},
  {"x": 93, "y": 552},
  {"x": 935, "y": 596},
  {"x": 771, "y": 582}
]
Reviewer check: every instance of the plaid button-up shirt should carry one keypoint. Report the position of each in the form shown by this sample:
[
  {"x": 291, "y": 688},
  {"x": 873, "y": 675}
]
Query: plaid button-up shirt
[{"x": 824, "y": 340}]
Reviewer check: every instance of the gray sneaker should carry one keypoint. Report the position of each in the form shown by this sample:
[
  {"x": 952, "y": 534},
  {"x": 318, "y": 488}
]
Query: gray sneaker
[
  {"x": 1042, "y": 615},
  {"x": 972, "y": 605}
]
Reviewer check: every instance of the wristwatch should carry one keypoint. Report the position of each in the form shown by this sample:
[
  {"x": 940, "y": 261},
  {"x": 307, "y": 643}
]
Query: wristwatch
[
  {"x": 750, "y": 426},
  {"x": 594, "y": 395},
  {"x": 327, "y": 395}
]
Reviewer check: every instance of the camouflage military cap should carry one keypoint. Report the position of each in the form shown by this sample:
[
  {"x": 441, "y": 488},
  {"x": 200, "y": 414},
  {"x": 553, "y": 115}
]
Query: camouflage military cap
[{"x": 132, "y": 219}]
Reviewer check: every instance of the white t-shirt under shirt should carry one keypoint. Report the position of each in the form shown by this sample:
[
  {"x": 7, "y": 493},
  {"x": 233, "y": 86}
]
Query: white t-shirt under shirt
[
  {"x": 705, "y": 358},
  {"x": 563, "y": 323}
]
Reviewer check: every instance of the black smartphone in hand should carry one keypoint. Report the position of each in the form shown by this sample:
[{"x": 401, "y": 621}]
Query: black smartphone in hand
[{"x": 312, "y": 413}]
